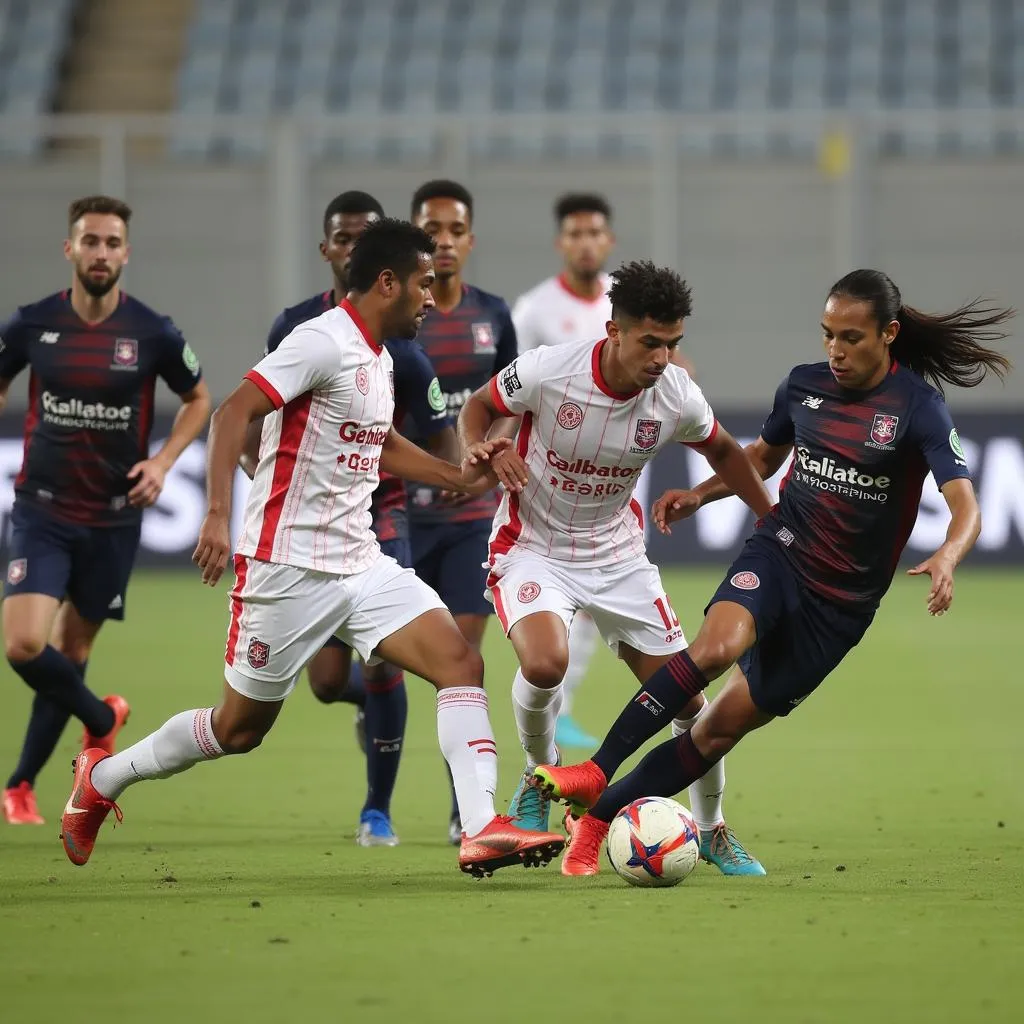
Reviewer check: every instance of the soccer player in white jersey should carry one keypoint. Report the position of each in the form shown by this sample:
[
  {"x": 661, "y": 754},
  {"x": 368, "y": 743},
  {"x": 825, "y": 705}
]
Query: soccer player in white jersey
[
  {"x": 572, "y": 306},
  {"x": 307, "y": 565},
  {"x": 593, "y": 414}
]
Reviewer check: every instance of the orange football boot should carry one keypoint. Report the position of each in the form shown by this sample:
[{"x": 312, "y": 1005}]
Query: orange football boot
[
  {"x": 85, "y": 810},
  {"x": 106, "y": 743},
  {"x": 579, "y": 785},
  {"x": 500, "y": 844},
  {"x": 584, "y": 853},
  {"x": 20, "y": 805}
]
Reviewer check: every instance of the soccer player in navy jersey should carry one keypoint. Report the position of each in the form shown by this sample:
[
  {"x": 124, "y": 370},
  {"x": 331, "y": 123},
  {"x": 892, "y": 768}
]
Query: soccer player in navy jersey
[
  {"x": 468, "y": 337},
  {"x": 94, "y": 356},
  {"x": 377, "y": 690},
  {"x": 865, "y": 428}
]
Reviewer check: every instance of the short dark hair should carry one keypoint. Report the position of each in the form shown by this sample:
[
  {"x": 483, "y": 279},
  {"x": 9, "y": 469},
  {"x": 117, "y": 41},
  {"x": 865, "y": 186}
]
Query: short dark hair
[
  {"x": 441, "y": 188},
  {"x": 641, "y": 289},
  {"x": 387, "y": 244},
  {"x": 581, "y": 202},
  {"x": 78, "y": 208},
  {"x": 351, "y": 203}
]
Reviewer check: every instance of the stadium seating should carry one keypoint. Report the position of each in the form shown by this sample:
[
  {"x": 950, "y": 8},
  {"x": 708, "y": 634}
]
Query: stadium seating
[
  {"x": 33, "y": 38},
  {"x": 583, "y": 56}
]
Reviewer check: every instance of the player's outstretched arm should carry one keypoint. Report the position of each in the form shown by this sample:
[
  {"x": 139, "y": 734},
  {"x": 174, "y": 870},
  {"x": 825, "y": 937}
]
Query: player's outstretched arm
[
  {"x": 736, "y": 471},
  {"x": 964, "y": 528},
  {"x": 477, "y": 432},
  {"x": 402, "y": 458},
  {"x": 227, "y": 436}
]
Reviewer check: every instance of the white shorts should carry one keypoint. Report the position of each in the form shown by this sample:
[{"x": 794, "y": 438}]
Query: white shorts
[
  {"x": 282, "y": 615},
  {"x": 627, "y": 602}
]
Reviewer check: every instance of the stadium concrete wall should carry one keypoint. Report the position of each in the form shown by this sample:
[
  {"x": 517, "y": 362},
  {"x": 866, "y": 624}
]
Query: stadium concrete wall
[
  {"x": 760, "y": 243},
  {"x": 992, "y": 442}
]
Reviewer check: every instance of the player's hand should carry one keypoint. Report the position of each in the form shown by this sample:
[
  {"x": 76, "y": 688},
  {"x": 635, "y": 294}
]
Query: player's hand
[
  {"x": 149, "y": 476},
  {"x": 483, "y": 451},
  {"x": 672, "y": 506},
  {"x": 510, "y": 469},
  {"x": 940, "y": 568},
  {"x": 214, "y": 547},
  {"x": 454, "y": 498}
]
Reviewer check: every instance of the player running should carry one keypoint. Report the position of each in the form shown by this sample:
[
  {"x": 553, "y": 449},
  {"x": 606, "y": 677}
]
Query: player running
[
  {"x": 377, "y": 689},
  {"x": 594, "y": 413},
  {"x": 574, "y": 306},
  {"x": 94, "y": 356},
  {"x": 468, "y": 338},
  {"x": 865, "y": 428},
  {"x": 308, "y": 567}
]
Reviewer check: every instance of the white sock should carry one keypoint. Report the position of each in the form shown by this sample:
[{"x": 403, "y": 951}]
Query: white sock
[
  {"x": 467, "y": 742},
  {"x": 536, "y": 714},
  {"x": 179, "y": 743},
  {"x": 707, "y": 792},
  {"x": 583, "y": 639}
]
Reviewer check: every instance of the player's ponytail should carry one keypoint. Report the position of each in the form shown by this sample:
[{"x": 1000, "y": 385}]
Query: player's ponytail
[{"x": 944, "y": 348}]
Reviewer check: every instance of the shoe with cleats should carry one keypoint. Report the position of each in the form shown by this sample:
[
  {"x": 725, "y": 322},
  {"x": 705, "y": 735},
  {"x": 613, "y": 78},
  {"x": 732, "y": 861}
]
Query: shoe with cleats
[
  {"x": 85, "y": 810},
  {"x": 579, "y": 785},
  {"x": 583, "y": 856},
  {"x": 501, "y": 844},
  {"x": 20, "y": 805}
]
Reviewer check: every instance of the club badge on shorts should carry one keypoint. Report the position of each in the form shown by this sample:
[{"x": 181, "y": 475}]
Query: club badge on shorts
[
  {"x": 258, "y": 653},
  {"x": 528, "y": 592},
  {"x": 17, "y": 570}
]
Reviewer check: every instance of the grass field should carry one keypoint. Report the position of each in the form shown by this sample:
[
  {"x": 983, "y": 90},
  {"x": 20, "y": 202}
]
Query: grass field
[{"x": 888, "y": 811}]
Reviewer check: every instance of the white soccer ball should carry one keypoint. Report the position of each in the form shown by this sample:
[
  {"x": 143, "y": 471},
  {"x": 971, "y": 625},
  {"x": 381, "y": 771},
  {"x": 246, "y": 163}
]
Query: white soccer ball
[{"x": 653, "y": 842}]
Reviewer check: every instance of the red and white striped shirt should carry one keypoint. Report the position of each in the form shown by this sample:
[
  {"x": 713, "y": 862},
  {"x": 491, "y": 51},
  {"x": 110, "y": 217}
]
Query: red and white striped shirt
[
  {"x": 309, "y": 506},
  {"x": 585, "y": 446}
]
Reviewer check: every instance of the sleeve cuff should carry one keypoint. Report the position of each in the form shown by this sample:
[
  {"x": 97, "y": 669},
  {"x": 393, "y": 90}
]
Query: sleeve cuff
[
  {"x": 498, "y": 400},
  {"x": 707, "y": 440},
  {"x": 266, "y": 387}
]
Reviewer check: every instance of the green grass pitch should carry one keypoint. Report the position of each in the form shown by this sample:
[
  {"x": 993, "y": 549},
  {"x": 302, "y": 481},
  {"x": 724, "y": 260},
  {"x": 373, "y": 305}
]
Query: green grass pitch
[{"x": 888, "y": 810}]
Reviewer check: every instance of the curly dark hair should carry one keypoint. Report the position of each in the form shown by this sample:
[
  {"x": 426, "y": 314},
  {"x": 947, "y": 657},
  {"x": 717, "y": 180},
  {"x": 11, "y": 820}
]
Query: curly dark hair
[
  {"x": 641, "y": 289},
  {"x": 387, "y": 244}
]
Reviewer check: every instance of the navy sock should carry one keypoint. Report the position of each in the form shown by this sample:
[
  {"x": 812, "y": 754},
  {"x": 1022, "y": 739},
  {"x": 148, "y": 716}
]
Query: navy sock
[
  {"x": 355, "y": 688},
  {"x": 657, "y": 702},
  {"x": 54, "y": 675},
  {"x": 386, "y": 710},
  {"x": 45, "y": 726},
  {"x": 668, "y": 769}
]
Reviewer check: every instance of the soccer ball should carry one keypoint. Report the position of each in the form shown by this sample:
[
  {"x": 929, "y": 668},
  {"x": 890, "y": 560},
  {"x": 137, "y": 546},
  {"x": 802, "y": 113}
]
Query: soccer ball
[{"x": 653, "y": 842}]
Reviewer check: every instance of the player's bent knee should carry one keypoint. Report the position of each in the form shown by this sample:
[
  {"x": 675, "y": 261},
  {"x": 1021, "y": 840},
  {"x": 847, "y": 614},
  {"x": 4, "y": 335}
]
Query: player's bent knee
[
  {"x": 19, "y": 649},
  {"x": 465, "y": 669},
  {"x": 241, "y": 741},
  {"x": 713, "y": 654},
  {"x": 327, "y": 690},
  {"x": 545, "y": 670}
]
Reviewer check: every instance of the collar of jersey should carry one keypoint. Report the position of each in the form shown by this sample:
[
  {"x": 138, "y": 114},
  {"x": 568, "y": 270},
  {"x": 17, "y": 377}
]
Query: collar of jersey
[
  {"x": 361, "y": 324},
  {"x": 603, "y": 385}
]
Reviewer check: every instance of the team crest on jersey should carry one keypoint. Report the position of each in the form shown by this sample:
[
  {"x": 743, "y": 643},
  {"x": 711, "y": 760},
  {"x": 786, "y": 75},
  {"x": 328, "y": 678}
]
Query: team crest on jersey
[
  {"x": 569, "y": 415},
  {"x": 746, "y": 581},
  {"x": 362, "y": 380},
  {"x": 258, "y": 653},
  {"x": 483, "y": 338},
  {"x": 126, "y": 353},
  {"x": 17, "y": 570},
  {"x": 646, "y": 435},
  {"x": 528, "y": 592},
  {"x": 883, "y": 428}
]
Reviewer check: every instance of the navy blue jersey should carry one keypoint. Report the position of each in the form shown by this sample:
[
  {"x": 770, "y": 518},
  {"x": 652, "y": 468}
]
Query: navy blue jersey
[
  {"x": 418, "y": 399},
  {"x": 850, "y": 498},
  {"x": 90, "y": 405},
  {"x": 467, "y": 347}
]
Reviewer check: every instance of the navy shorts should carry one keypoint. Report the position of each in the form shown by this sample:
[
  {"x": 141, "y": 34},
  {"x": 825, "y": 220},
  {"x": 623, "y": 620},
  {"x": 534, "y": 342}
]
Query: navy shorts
[
  {"x": 801, "y": 637},
  {"x": 398, "y": 549},
  {"x": 450, "y": 558},
  {"x": 88, "y": 565}
]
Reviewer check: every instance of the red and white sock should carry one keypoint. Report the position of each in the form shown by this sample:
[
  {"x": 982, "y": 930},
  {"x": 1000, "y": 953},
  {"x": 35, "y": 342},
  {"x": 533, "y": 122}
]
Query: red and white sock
[
  {"x": 467, "y": 742},
  {"x": 705, "y": 794},
  {"x": 182, "y": 741}
]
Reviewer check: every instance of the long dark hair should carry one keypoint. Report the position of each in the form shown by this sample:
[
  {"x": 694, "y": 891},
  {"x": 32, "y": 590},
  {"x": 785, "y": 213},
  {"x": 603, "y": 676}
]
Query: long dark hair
[{"x": 944, "y": 348}]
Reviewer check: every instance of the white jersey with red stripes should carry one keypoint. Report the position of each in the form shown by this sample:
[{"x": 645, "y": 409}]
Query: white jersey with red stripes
[
  {"x": 309, "y": 506},
  {"x": 551, "y": 313},
  {"x": 585, "y": 446}
]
